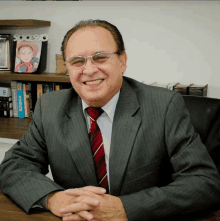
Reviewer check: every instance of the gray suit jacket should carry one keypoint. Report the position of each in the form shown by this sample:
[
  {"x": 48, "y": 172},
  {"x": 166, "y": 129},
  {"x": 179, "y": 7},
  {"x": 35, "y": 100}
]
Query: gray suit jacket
[{"x": 158, "y": 165}]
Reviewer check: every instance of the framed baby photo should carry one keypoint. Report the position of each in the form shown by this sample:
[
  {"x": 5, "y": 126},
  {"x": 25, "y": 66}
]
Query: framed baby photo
[
  {"x": 27, "y": 56},
  {"x": 5, "y": 52},
  {"x": 30, "y": 53}
]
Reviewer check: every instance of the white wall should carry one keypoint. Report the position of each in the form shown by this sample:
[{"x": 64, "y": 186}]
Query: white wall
[{"x": 165, "y": 41}]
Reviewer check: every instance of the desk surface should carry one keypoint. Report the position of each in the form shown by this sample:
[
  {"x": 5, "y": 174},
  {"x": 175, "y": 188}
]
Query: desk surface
[{"x": 9, "y": 211}]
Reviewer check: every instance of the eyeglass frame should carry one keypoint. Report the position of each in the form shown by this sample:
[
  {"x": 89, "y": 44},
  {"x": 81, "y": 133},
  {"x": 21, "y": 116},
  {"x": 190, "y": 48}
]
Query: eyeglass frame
[{"x": 91, "y": 57}]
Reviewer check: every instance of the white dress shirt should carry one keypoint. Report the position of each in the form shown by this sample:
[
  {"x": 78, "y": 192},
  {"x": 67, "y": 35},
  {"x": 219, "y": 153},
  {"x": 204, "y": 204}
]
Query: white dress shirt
[{"x": 104, "y": 121}]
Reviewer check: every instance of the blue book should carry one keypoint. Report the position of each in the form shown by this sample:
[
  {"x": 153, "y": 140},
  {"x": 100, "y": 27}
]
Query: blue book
[{"x": 20, "y": 96}]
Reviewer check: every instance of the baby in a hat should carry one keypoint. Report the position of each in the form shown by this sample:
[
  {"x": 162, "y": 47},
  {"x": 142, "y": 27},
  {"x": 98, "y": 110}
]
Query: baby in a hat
[{"x": 26, "y": 52}]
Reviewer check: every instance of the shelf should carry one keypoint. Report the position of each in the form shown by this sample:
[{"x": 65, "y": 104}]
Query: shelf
[
  {"x": 13, "y": 127},
  {"x": 24, "y": 23},
  {"x": 46, "y": 77}
]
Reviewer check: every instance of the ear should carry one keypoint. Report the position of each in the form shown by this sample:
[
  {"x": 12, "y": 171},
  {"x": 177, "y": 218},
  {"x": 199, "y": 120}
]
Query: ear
[{"x": 123, "y": 60}]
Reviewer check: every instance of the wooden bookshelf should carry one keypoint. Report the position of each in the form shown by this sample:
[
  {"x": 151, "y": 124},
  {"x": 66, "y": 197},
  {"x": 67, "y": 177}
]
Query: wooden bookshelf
[
  {"x": 24, "y": 23},
  {"x": 44, "y": 77},
  {"x": 13, "y": 127}
]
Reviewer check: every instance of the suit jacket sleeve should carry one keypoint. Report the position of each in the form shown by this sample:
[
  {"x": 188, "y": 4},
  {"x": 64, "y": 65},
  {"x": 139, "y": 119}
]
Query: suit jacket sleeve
[
  {"x": 195, "y": 181},
  {"x": 22, "y": 172}
]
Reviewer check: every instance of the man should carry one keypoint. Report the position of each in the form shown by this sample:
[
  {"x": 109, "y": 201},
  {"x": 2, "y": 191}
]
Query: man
[{"x": 154, "y": 165}]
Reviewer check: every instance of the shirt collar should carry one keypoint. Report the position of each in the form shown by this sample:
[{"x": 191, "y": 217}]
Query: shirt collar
[{"x": 109, "y": 108}]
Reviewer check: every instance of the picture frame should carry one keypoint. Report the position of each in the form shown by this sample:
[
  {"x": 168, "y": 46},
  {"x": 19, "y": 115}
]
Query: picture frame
[
  {"x": 29, "y": 54},
  {"x": 5, "y": 52}
]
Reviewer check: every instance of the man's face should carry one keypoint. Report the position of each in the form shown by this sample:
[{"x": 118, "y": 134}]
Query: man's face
[
  {"x": 106, "y": 78},
  {"x": 25, "y": 54}
]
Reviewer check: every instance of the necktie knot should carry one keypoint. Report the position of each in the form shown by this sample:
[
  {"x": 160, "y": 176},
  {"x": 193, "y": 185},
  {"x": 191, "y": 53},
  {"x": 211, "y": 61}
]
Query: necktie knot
[{"x": 94, "y": 112}]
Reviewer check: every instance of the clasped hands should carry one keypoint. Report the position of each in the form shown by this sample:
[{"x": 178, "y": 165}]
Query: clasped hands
[{"x": 86, "y": 203}]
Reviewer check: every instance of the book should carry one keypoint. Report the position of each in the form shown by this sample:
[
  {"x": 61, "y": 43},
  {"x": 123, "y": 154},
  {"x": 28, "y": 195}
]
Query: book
[
  {"x": 20, "y": 97},
  {"x": 14, "y": 98},
  {"x": 27, "y": 100},
  {"x": 6, "y": 104},
  {"x": 25, "y": 104},
  {"x": 6, "y": 113},
  {"x": 46, "y": 88},
  {"x": 182, "y": 89},
  {"x": 57, "y": 87},
  {"x": 52, "y": 86},
  {"x": 5, "y": 91},
  {"x": 171, "y": 85},
  {"x": 30, "y": 99},
  {"x": 6, "y": 98},
  {"x": 39, "y": 90},
  {"x": 198, "y": 90}
]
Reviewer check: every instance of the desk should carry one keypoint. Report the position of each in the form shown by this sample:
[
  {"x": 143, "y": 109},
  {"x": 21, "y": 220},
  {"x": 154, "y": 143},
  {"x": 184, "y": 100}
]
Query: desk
[{"x": 9, "y": 211}]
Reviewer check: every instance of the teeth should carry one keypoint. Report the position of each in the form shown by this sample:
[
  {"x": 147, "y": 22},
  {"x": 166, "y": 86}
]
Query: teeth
[{"x": 94, "y": 82}]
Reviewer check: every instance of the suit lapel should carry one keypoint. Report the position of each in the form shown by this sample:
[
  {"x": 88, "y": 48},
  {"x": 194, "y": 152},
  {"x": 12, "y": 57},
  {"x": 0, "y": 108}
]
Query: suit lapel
[
  {"x": 124, "y": 130},
  {"x": 76, "y": 135}
]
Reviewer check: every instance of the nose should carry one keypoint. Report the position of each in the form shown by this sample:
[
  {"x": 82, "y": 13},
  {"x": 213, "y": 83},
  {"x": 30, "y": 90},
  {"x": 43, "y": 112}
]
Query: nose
[{"x": 90, "y": 68}]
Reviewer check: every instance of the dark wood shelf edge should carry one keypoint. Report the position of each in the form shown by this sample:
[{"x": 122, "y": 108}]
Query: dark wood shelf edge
[
  {"x": 44, "y": 77},
  {"x": 24, "y": 23}
]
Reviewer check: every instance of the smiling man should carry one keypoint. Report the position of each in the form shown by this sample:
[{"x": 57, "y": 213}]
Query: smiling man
[
  {"x": 118, "y": 149},
  {"x": 98, "y": 79}
]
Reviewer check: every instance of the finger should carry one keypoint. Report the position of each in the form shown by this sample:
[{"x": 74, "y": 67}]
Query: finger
[
  {"x": 74, "y": 208},
  {"x": 83, "y": 215},
  {"x": 95, "y": 189},
  {"x": 86, "y": 214},
  {"x": 81, "y": 191},
  {"x": 73, "y": 217},
  {"x": 87, "y": 189},
  {"x": 88, "y": 200},
  {"x": 67, "y": 214}
]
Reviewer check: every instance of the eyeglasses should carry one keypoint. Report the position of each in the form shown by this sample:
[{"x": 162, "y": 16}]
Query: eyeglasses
[{"x": 98, "y": 59}]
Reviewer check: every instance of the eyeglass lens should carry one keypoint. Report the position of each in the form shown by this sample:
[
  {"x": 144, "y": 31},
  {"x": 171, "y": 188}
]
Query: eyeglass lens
[{"x": 97, "y": 59}]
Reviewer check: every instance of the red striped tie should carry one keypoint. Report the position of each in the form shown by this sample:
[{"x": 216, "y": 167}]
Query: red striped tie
[{"x": 98, "y": 147}]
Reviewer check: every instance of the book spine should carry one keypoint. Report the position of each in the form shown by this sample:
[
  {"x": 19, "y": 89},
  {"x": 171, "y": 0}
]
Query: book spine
[
  {"x": 25, "y": 101},
  {"x": 5, "y": 91},
  {"x": 20, "y": 96},
  {"x": 6, "y": 113},
  {"x": 6, "y": 104},
  {"x": 198, "y": 91},
  {"x": 57, "y": 87},
  {"x": 46, "y": 88},
  {"x": 14, "y": 98},
  {"x": 30, "y": 99},
  {"x": 172, "y": 85},
  {"x": 5, "y": 98},
  {"x": 39, "y": 90}
]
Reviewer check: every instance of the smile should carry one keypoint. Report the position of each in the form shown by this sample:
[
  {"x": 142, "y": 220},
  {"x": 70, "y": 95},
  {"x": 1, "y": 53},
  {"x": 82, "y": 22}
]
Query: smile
[{"x": 96, "y": 82}]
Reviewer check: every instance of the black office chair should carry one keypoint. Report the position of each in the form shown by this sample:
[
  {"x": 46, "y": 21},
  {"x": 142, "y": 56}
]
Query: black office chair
[{"x": 205, "y": 117}]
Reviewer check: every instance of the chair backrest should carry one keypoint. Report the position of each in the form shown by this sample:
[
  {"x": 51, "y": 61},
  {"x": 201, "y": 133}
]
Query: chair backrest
[
  {"x": 203, "y": 112},
  {"x": 205, "y": 117}
]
